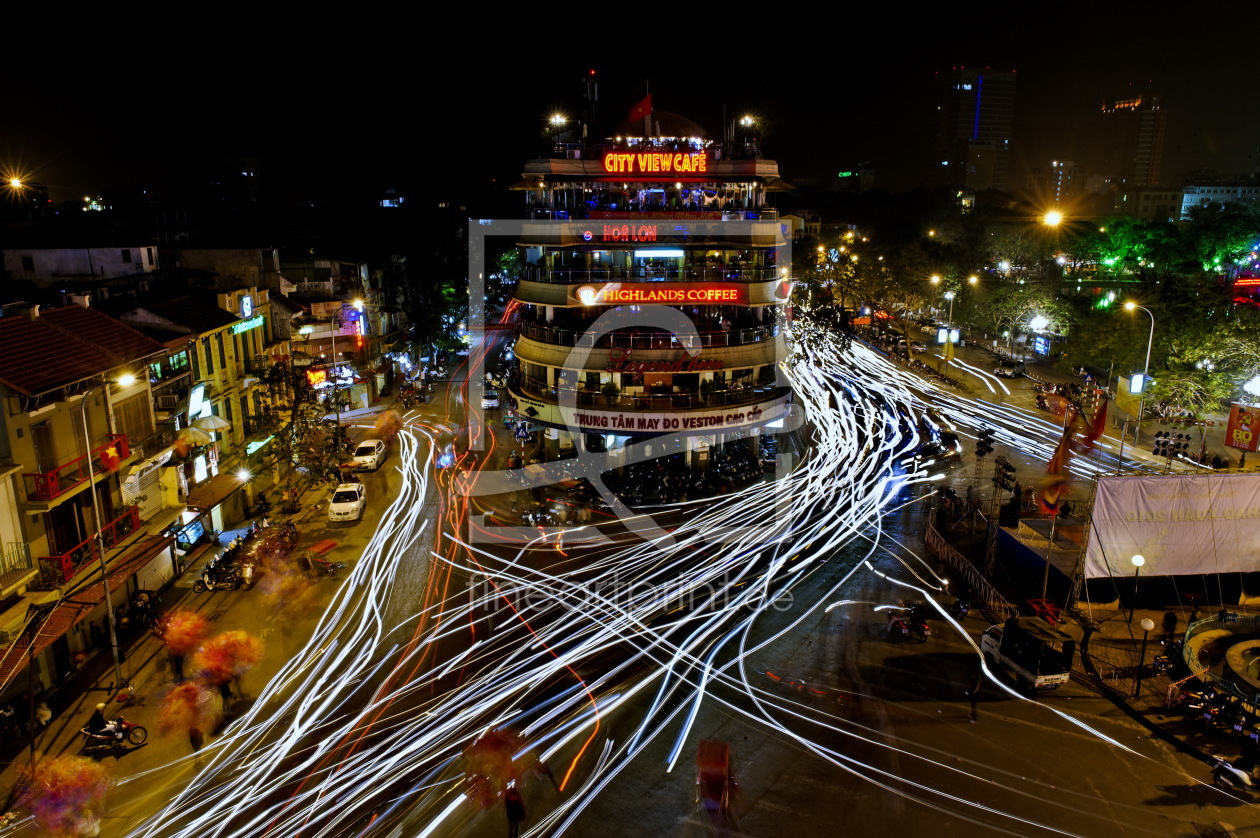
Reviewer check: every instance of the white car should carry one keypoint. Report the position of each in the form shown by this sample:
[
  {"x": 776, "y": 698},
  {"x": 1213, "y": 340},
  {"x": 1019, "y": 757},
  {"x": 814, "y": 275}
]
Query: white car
[
  {"x": 1009, "y": 370},
  {"x": 348, "y": 502},
  {"x": 490, "y": 400},
  {"x": 369, "y": 454}
]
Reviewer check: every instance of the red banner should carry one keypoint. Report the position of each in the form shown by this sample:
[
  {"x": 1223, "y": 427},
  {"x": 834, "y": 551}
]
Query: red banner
[{"x": 1241, "y": 431}]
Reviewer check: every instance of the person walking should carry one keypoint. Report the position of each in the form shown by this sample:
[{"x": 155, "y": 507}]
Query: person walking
[
  {"x": 1170, "y": 627},
  {"x": 196, "y": 738},
  {"x": 515, "y": 811},
  {"x": 974, "y": 694}
]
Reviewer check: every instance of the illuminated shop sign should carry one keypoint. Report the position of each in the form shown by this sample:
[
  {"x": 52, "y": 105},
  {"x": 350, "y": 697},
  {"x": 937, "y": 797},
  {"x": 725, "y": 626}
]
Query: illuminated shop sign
[
  {"x": 246, "y": 325},
  {"x": 619, "y": 360},
  {"x": 655, "y": 162},
  {"x": 666, "y": 293},
  {"x": 622, "y": 233},
  {"x": 658, "y": 423}
]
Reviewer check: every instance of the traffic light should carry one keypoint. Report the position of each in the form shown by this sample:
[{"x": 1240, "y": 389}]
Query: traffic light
[{"x": 983, "y": 446}]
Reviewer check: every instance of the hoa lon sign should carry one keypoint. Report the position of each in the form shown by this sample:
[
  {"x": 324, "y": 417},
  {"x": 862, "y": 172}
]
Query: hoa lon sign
[
  {"x": 661, "y": 293},
  {"x": 655, "y": 163},
  {"x": 1241, "y": 432}
]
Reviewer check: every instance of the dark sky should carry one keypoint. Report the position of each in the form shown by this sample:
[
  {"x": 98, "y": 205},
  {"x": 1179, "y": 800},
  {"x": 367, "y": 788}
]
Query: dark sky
[{"x": 382, "y": 102}]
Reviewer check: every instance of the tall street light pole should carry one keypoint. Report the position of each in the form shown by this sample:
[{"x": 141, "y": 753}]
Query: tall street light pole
[
  {"x": 100, "y": 541},
  {"x": 1146, "y": 370},
  {"x": 1138, "y": 560}
]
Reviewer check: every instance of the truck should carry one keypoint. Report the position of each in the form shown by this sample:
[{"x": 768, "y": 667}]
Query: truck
[{"x": 1037, "y": 654}]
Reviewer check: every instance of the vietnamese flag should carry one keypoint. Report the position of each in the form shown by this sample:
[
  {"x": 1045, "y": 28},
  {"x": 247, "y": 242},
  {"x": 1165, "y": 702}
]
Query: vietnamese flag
[{"x": 643, "y": 109}]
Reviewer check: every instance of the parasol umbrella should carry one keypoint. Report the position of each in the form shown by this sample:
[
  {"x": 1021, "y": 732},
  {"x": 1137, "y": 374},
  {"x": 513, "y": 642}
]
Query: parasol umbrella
[
  {"x": 212, "y": 423},
  {"x": 194, "y": 435}
]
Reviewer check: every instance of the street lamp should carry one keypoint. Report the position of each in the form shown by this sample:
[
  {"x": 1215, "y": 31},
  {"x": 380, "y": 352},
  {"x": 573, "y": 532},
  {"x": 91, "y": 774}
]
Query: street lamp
[
  {"x": 1053, "y": 218},
  {"x": 96, "y": 519},
  {"x": 1146, "y": 370},
  {"x": 1147, "y": 625},
  {"x": 1138, "y": 560}
]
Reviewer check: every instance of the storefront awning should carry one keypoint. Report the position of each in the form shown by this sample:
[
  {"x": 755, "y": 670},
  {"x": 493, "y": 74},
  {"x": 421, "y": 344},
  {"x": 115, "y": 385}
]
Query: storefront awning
[
  {"x": 74, "y": 607},
  {"x": 213, "y": 492}
]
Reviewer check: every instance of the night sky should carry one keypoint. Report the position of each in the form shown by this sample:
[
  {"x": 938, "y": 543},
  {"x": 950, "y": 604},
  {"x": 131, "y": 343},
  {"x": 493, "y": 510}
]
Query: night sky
[{"x": 344, "y": 108}]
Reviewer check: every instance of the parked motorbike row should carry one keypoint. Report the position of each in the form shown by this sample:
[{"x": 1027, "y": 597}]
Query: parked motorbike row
[
  {"x": 230, "y": 570},
  {"x": 1220, "y": 714}
]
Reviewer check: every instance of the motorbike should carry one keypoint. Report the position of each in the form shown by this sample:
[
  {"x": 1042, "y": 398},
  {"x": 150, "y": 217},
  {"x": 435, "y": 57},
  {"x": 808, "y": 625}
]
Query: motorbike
[
  {"x": 118, "y": 732},
  {"x": 898, "y": 629},
  {"x": 1226, "y": 775},
  {"x": 222, "y": 581},
  {"x": 961, "y": 608}
]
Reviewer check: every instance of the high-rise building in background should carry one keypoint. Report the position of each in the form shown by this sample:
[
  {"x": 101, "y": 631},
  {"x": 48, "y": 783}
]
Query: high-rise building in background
[
  {"x": 974, "y": 136},
  {"x": 1130, "y": 142},
  {"x": 1056, "y": 184}
]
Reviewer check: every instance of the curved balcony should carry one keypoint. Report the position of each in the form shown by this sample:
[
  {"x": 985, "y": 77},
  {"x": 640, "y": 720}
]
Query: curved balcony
[
  {"x": 649, "y": 400},
  {"x": 640, "y": 273},
  {"x": 651, "y": 340}
]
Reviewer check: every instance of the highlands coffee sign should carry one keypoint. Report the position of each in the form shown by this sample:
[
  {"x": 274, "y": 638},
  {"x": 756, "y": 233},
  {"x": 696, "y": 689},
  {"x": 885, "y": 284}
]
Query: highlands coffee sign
[
  {"x": 664, "y": 163},
  {"x": 662, "y": 293}
]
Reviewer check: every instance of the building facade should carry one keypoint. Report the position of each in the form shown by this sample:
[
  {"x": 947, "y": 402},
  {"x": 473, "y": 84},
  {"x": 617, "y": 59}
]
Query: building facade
[
  {"x": 652, "y": 304},
  {"x": 975, "y": 119},
  {"x": 1130, "y": 147}
]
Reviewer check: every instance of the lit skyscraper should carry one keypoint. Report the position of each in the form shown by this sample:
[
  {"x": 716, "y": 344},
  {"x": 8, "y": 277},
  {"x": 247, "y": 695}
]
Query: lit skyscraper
[
  {"x": 974, "y": 135},
  {"x": 1131, "y": 141}
]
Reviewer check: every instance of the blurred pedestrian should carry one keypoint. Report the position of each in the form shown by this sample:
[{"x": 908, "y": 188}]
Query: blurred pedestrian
[
  {"x": 515, "y": 811},
  {"x": 1170, "y": 627},
  {"x": 196, "y": 738},
  {"x": 974, "y": 693}
]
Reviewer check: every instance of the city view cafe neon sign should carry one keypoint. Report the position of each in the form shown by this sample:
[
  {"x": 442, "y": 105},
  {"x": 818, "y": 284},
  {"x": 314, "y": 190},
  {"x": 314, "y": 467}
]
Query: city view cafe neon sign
[
  {"x": 661, "y": 293},
  {"x": 655, "y": 163}
]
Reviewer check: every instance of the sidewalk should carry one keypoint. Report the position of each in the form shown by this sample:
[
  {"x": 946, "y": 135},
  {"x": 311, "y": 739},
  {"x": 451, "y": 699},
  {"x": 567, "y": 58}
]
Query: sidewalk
[{"x": 146, "y": 666}]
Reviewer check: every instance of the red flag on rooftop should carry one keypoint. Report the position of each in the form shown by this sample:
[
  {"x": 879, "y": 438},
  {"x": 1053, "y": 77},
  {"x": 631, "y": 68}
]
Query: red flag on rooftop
[{"x": 643, "y": 109}]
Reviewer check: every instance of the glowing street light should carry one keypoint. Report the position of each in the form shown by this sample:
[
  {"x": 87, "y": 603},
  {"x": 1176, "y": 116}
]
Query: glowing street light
[
  {"x": 1146, "y": 369},
  {"x": 973, "y": 279},
  {"x": 1053, "y": 218},
  {"x": 1138, "y": 560}
]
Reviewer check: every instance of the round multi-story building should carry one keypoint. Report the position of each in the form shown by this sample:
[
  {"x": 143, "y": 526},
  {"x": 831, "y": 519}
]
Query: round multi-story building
[{"x": 652, "y": 304}]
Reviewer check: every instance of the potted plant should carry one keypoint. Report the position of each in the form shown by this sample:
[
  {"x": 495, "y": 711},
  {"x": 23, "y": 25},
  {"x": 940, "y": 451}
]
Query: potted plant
[{"x": 611, "y": 392}]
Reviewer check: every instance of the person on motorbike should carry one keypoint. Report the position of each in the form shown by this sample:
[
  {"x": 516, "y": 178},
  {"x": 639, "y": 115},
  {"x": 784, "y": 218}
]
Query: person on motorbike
[{"x": 97, "y": 725}]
